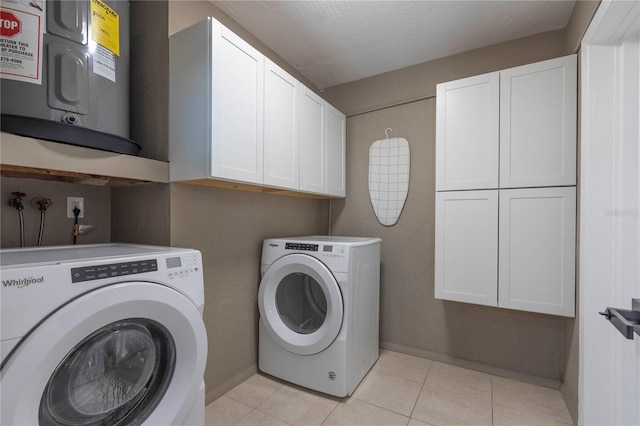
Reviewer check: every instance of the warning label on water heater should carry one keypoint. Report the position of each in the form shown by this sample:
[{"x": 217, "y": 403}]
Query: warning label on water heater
[
  {"x": 105, "y": 26},
  {"x": 104, "y": 63},
  {"x": 21, "y": 34}
]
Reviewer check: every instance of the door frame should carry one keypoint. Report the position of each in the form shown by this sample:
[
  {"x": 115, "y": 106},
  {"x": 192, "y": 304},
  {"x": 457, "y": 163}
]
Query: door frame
[{"x": 609, "y": 375}]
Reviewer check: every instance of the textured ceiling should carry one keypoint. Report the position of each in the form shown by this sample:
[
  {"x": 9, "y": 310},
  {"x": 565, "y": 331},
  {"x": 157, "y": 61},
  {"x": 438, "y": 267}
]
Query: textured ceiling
[{"x": 334, "y": 42}]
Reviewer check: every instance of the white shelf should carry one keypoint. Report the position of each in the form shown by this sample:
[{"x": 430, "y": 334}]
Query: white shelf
[{"x": 36, "y": 158}]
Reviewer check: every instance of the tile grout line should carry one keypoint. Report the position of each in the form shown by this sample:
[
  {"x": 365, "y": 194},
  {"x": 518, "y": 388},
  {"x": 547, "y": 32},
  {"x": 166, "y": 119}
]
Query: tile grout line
[
  {"x": 492, "y": 407},
  {"x": 243, "y": 417},
  {"x": 424, "y": 382},
  {"x": 243, "y": 402},
  {"x": 332, "y": 410}
]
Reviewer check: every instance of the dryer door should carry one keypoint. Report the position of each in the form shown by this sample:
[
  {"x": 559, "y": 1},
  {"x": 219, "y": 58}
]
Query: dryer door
[
  {"x": 129, "y": 353},
  {"x": 301, "y": 304}
]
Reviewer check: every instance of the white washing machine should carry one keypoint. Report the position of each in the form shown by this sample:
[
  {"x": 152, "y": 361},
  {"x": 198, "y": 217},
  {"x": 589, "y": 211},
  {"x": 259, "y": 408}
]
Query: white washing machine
[
  {"x": 319, "y": 310},
  {"x": 107, "y": 334}
]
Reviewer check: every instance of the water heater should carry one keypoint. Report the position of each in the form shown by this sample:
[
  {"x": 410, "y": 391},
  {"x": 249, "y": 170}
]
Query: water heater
[{"x": 65, "y": 72}]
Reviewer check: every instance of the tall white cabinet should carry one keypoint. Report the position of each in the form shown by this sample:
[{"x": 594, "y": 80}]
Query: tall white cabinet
[
  {"x": 538, "y": 108},
  {"x": 467, "y": 133},
  {"x": 466, "y": 255},
  {"x": 537, "y": 238},
  {"x": 505, "y": 182},
  {"x": 237, "y": 117}
]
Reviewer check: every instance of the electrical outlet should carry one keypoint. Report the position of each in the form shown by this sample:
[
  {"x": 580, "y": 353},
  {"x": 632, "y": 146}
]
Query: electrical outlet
[{"x": 73, "y": 202}]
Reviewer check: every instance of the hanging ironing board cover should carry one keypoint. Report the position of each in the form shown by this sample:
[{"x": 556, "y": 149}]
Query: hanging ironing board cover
[{"x": 389, "y": 161}]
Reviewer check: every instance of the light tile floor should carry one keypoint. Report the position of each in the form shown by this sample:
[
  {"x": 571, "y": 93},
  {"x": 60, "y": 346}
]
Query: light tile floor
[{"x": 399, "y": 390}]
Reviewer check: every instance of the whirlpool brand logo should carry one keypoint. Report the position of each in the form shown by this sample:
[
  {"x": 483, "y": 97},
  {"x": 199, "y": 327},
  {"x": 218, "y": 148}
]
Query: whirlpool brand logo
[{"x": 24, "y": 282}]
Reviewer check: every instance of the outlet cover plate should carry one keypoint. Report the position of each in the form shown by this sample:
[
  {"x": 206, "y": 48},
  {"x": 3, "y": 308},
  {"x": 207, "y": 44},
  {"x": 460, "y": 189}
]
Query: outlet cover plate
[{"x": 71, "y": 202}]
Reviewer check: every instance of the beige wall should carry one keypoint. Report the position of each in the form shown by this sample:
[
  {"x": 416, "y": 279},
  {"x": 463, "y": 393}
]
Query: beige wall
[
  {"x": 184, "y": 13},
  {"x": 419, "y": 81},
  {"x": 58, "y": 228},
  {"x": 411, "y": 318},
  {"x": 140, "y": 214},
  {"x": 228, "y": 227},
  {"x": 224, "y": 225},
  {"x": 149, "y": 78}
]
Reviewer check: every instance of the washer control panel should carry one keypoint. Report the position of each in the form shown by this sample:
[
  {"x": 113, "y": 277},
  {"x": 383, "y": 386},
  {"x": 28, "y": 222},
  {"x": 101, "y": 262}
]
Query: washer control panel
[
  {"x": 177, "y": 267},
  {"x": 90, "y": 273},
  {"x": 182, "y": 266}
]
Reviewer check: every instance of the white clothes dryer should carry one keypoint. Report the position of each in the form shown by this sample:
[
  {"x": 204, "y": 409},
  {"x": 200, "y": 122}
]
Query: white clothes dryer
[
  {"x": 108, "y": 334},
  {"x": 319, "y": 310}
]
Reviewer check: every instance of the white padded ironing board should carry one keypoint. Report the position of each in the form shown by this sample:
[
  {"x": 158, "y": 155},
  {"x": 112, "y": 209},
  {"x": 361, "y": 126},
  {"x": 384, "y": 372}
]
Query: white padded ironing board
[{"x": 389, "y": 161}]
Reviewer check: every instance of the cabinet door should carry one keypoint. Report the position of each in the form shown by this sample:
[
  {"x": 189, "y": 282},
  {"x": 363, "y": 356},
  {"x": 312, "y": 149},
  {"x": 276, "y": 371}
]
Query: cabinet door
[
  {"x": 466, "y": 253},
  {"x": 538, "y": 124},
  {"x": 312, "y": 142},
  {"x": 467, "y": 115},
  {"x": 280, "y": 127},
  {"x": 336, "y": 152},
  {"x": 537, "y": 250},
  {"x": 237, "y": 113}
]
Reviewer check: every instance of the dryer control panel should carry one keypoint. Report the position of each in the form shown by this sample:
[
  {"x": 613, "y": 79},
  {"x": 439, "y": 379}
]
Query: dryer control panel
[
  {"x": 301, "y": 246},
  {"x": 333, "y": 250},
  {"x": 323, "y": 250}
]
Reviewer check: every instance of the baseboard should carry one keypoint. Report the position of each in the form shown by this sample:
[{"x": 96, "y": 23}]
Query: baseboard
[
  {"x": 496, "y": 371},
  {"x": 571, "y": 400},
  {"x": 218, "y": 391}
]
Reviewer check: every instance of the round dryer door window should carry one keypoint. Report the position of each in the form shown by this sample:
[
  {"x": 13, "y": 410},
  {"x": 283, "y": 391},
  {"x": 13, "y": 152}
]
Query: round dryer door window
[{"x": 301, "y": 304}]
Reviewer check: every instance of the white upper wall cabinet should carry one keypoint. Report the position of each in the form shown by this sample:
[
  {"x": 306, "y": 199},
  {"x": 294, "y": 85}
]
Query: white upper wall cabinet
[
  {"x": 190, "y": 106},
  {"x": 336, "y": 131},
  {"x": 237, "y": 99},
  {"x": 537, "y": 250},
  {"x": 538, "y": 105},
  {"x": 467, "y": 133},
  {"x": 508, "y": 129},
  {"x": 281, "y": 162},
  {"x": 505, "y": 200},
  {"x": 313, "y": 111},
  {"x": 216, "y": 105},
  {"x": 236, "y": 116},
  {"x": 466, "y": 255}
]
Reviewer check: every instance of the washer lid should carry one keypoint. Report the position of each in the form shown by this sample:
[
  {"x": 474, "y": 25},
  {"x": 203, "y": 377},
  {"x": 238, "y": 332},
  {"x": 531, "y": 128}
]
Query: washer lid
[
  {"x": 301, "y": 304},
  {"x": 31, "y": 256},
  {"x": 100, "y": 344}
]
